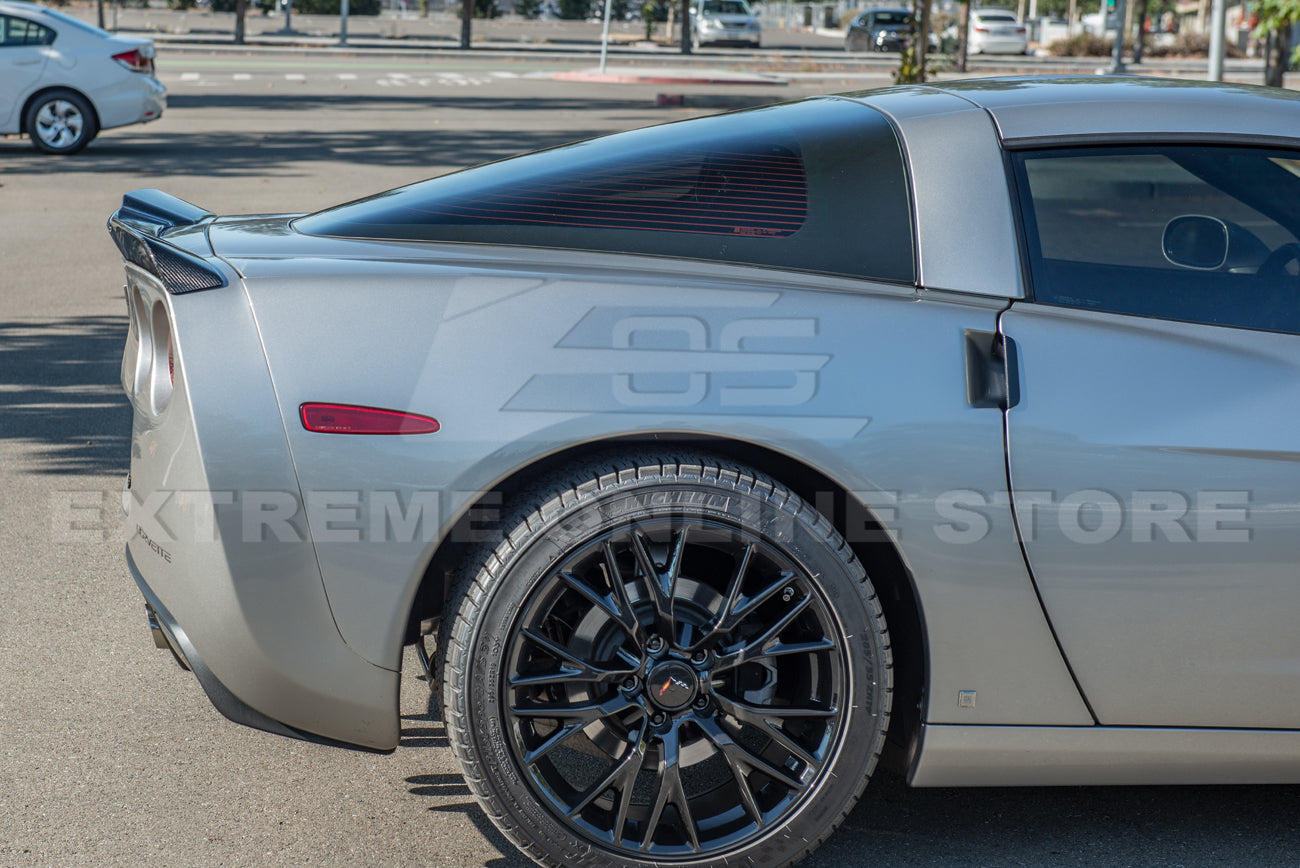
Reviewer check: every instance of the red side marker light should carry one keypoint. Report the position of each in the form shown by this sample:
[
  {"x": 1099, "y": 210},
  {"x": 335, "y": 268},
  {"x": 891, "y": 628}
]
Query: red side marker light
[{"x": 351, "y": 419}]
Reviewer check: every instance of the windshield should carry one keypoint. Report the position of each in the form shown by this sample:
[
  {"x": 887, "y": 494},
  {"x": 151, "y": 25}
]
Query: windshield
[
  {"x": 726, "y": 7},
  {"x": 887, "y": 19}
]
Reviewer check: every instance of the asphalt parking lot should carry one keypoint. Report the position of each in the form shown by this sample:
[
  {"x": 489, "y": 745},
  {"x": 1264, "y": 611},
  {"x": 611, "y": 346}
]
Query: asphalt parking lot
[{"x": 109, "y": 753}]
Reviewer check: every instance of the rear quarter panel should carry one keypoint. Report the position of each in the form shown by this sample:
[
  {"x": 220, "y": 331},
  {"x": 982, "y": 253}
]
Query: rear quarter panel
[{"x": 864, "y": 381}]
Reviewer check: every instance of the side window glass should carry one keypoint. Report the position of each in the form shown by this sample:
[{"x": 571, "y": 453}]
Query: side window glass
[
  {"x": 1192, "y": 233},
  {"x": 20, "y": 31}
]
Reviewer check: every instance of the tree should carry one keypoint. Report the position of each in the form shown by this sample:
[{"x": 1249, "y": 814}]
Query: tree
[
  {"x": 1276, "y": 18},
  {"x": 1139, "y": 38},
  {"x": 911, "y": 60},
  {"x": 963, "y": 35}
]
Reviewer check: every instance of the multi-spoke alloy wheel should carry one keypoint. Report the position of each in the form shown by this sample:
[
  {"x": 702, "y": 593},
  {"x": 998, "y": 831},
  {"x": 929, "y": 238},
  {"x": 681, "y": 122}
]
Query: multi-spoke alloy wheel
[
  {"x": 679, "y": 663},
  {"x": 60, "y": 122}
]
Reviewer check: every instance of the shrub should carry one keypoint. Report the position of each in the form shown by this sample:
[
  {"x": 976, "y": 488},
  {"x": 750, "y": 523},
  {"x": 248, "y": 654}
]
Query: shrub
[
  {"x": 1085, "y": 45},
  {"x": 575, "y": 10},
  {"x": 333, "y": 7},
  {"x": 1189, "y": 45}
]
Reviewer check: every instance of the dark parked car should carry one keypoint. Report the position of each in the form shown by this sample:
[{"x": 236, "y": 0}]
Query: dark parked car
[{"x": 878, "y": 30}]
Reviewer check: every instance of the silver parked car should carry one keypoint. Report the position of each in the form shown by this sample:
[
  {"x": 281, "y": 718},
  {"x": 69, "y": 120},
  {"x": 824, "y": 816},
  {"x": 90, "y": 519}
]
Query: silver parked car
[
  {"x": 716, "y": 22},
  {"x": 954, "y": 426}
]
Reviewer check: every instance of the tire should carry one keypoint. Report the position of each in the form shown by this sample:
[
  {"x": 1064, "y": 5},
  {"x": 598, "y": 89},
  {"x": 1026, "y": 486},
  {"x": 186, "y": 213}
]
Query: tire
[
  {"x": 666, "y": 662},
  {"x": 61, "y": 122}
]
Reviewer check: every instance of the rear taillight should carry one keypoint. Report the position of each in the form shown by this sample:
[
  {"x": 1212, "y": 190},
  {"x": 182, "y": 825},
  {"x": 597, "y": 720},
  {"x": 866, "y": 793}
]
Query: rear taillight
[{"x": 136, "y": 60}]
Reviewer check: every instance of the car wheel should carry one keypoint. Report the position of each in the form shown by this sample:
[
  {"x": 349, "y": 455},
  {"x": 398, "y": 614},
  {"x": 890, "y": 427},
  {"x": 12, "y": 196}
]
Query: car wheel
[
  {"x": 61, "y": 122},
  {"x": 677, "y": 662}
]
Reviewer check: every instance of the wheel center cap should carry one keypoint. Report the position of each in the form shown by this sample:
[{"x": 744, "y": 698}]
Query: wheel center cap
[{"x": 672, "y": 685}]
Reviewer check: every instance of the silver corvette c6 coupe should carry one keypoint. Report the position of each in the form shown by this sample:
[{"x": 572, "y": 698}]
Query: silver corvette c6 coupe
[{"x": 955, "y": 427}]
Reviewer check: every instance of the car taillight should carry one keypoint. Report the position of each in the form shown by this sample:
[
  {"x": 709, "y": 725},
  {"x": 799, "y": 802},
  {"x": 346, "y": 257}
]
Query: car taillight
[
  {"x": 981, "y": 30},
  {"x": 1020, "y": 30},
  {"x": 135, "y": 60}
]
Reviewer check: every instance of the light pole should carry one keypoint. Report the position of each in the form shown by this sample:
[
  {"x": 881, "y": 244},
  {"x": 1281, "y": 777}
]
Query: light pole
[{"x": 1218, "y": 20}]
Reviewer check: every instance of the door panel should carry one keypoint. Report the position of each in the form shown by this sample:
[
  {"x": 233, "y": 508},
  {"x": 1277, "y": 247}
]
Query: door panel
[
  {"x": 1156, "y": 473},
  {"x": 23, "y": 56}
]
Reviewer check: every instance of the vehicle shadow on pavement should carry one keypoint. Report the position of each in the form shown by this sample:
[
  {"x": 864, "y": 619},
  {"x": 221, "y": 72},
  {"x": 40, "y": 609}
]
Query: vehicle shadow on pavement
[
  {"x": 59, "y": 388},
  {"x": 369, "y": 137},
  {"x": 452, "y": 786},
  {"x": 986, "y": 826},
  {"x": 996, "y": 826}
]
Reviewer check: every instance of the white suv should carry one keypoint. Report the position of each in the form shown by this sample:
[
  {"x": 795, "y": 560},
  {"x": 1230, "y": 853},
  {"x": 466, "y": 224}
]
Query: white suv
[{"x": 62, "y": 80}]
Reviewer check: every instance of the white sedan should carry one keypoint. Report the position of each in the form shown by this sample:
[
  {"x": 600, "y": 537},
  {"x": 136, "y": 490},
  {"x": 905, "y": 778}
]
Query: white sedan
[
  {"x": 996, "y": 31},
  {"x": 62, "y": 80}
]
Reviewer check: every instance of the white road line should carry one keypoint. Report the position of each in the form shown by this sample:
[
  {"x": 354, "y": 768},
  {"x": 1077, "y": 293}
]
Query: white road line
[
  {"x": 189, "y": 76},
  {"x": 347, "y": 76},
  {"x": 294, "y": 76},
  {"x": 242, "y": 76}
]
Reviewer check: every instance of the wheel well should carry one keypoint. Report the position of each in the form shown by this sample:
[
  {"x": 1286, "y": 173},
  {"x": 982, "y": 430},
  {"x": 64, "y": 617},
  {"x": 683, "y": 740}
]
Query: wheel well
[
  {"x": 45, "y": 91},
  {"x": 854, "y": 520}
]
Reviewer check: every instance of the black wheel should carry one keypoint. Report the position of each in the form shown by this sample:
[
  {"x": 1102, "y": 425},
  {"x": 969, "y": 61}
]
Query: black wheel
[
  {"x": 680, "y": 663},
  {"x": 61, "y": 122}
]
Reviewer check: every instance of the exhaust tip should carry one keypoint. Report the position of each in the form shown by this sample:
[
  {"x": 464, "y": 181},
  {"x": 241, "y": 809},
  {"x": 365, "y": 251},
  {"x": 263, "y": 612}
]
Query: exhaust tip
[{"x": 162, "y": 638}]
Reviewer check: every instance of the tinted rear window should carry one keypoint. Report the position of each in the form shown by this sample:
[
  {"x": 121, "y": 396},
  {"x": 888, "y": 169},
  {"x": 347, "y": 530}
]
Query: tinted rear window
[{"x": 817, "y": 185}]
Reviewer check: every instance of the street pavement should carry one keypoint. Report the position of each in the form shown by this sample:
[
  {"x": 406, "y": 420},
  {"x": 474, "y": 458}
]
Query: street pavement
[{"x": 112, "y": 756}]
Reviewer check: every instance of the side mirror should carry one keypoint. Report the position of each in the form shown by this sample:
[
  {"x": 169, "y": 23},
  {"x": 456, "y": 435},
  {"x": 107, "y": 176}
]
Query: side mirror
[{"x": 1195, "y": 241}]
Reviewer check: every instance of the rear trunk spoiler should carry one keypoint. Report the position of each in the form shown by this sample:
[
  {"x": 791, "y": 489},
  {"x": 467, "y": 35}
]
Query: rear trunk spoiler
[{"x": 138, "y": 228}]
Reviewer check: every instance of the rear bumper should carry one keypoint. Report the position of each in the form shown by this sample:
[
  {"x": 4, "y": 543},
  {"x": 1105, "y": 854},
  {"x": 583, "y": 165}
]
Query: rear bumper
[
  {"x": 1002, "y": 45},
  {"x": 169, "y": 634},
  {"x": 138, "y": 99}
]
